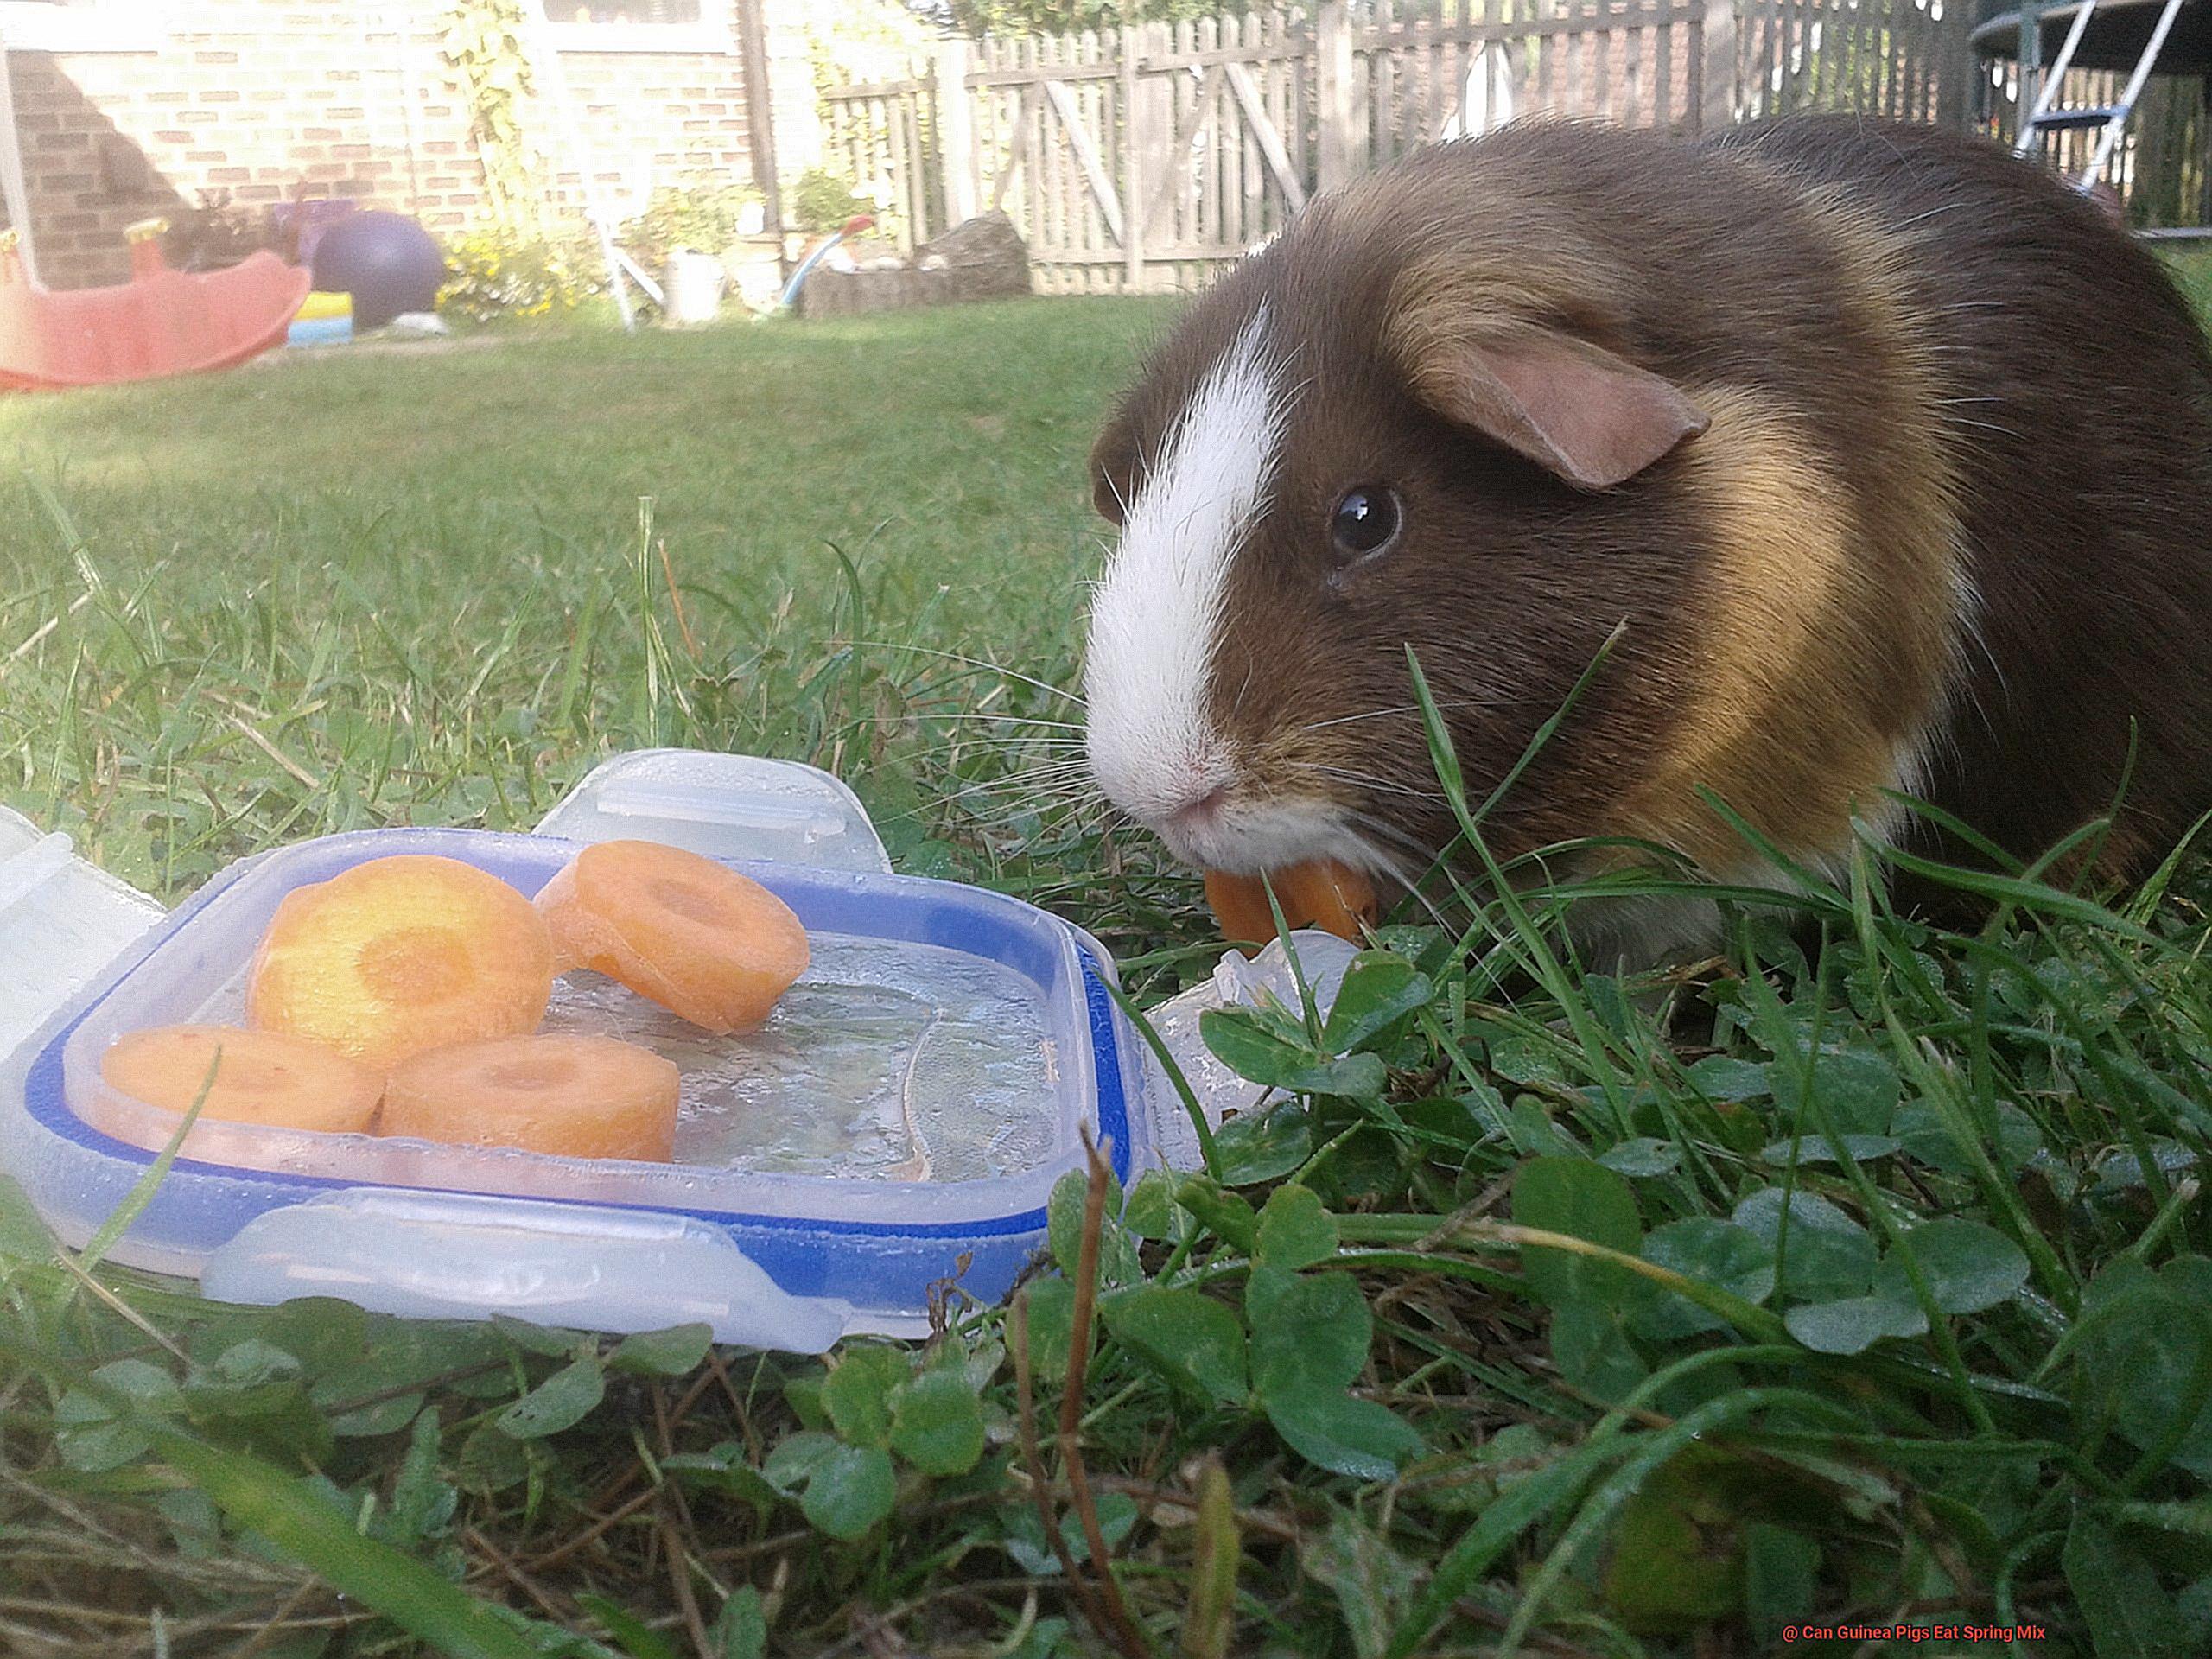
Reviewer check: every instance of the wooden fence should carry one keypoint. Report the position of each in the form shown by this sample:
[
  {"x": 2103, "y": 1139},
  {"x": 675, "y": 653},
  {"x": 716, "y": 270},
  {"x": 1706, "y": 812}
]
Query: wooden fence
[
  {"x": 1909, "y": 60},
  {"x": 1148, "y": 157},
  {"x": 1905, "y": 60}
]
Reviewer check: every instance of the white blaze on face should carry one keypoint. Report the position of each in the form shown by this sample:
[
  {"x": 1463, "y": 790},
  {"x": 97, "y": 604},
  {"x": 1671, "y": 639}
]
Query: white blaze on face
[{"x": 1155, "y": 619}]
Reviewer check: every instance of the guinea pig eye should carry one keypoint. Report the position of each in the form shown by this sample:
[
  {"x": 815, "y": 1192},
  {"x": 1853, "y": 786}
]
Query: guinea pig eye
[{"x": 1366, "y": 521}]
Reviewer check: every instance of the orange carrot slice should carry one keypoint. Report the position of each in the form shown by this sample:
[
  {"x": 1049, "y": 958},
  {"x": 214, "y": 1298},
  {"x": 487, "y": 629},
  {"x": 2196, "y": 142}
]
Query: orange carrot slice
[
  {"x": 399, "y": 955},
  {"x": 692, "y": 935},
  {"x": 570, "y": 1095},
  {"x": 1320, "y": 893},
  {"x": 260, "y": 1077}
]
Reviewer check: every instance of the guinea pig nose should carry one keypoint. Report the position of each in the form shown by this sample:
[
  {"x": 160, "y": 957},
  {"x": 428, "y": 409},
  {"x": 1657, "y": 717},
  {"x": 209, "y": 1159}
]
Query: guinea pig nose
[{"x": 1192, "y": 814}]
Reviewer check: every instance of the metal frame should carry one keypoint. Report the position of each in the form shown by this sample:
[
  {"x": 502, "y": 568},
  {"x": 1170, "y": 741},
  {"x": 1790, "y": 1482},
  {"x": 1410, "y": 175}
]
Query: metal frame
[{"x": 2111, "y": 120}]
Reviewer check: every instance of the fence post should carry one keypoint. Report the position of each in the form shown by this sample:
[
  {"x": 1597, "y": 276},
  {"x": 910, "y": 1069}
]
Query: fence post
[
  {"x": 760, "y": 120},
  {"x": 1955, "y": 67},
  {"x": 1333, "y": 69},
  {"x": 956, "y": 130},
  {"x": 1719, "y": 112}
]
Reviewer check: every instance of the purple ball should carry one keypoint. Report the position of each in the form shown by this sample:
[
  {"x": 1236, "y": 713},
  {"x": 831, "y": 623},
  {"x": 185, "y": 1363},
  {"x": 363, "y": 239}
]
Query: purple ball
[{"x": 387, "y": 262}]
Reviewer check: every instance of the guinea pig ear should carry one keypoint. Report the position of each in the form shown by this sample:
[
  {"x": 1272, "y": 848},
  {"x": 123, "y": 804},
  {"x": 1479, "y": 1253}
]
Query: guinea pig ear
[
  {"x": 1106, "y": 496},
  {"x": 1113, "y": 468},
  {"x": 1576, "y": 410}
]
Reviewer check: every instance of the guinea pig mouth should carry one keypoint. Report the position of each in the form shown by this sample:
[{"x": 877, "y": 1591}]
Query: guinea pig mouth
[{"x": 1244, "y": 837}]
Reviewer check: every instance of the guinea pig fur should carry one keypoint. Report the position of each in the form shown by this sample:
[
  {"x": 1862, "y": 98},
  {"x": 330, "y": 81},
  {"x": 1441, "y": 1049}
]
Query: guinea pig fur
[{"x": 1893, "y": 456}]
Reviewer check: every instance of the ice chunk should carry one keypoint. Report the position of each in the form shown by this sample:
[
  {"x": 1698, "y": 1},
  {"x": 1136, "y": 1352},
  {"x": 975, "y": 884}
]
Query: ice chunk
[{"x": 1236, "y": 982}]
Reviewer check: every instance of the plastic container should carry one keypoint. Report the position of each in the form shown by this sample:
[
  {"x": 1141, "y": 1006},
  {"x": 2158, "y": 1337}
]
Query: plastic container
[
  {"x": 61, "y": 921},
  {"x": 967, "y": 1024}
]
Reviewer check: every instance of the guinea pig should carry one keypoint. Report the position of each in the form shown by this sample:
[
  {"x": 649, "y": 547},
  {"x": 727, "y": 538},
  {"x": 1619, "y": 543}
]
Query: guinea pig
[{"x": 1889, "y": 457}]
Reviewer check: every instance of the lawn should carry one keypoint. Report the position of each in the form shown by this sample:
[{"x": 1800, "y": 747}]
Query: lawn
[
  {"x": 1855, "y": 1278},
  {"x": 315, "y": 595},
  {"x": 2192, "y": 268}
]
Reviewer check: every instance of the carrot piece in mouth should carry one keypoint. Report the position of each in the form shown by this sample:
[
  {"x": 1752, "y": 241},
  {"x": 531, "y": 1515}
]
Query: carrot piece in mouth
[{"x": 1320, "y": 893}]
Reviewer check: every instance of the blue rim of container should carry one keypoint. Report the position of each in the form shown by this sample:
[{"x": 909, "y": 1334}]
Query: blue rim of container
[{"x": 45, "y": 1102}]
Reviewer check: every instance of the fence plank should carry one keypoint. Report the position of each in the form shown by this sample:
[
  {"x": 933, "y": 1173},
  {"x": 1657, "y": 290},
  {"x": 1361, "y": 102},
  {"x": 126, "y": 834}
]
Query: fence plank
[
  {"x": 1633, "y": 69},
  {"x": 1385, "y": 70},
  {"x": 902, "y": 176},
  {"x": 956, "y": 130},
  {"x": 1334, "y": 109},
  {"x": 1133, "y": 161},
  {"x": 1035, "y": 188},
  {"x": 1086, "y": 153},
  {"x": 1024, "y": 111},
  {"x": 1175, "y": 174},
  {"x": 1248, "y": 170},
  {"x": 1263, "y": 130},
  {"x": 1603, "y": 73}
]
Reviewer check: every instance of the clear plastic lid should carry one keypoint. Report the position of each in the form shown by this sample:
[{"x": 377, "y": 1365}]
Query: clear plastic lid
[
  {"x": 735, "y": 806},
  {"x": 61, "y": 921}
]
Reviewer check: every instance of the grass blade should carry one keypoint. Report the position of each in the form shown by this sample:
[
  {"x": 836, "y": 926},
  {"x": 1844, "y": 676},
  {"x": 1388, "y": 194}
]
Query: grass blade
[{"x": 282, "y": 1509}]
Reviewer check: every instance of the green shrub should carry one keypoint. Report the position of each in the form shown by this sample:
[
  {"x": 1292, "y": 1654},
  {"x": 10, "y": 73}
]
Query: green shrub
[
  {"x": 822, "y": 200},
  {"x": 703, "y": 215},
  {"x": 500, "y": 273}
]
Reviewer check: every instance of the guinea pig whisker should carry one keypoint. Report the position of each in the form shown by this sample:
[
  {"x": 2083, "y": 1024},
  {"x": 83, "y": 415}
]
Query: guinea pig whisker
[
  {"x": 1017, "y": 758},
  {"x": 1405, "y": 870},
  {"x": 1032, "y": 781},
  {"x": 981, "y": 825},
  {"x": 1120, "y": 501},
  {"x": 993, "y": 715},
  {"x": 1324, "y": 767},
  {"x": 1009, "y": 749},
  {"x": 972, "y": 662},
  {"x": 1080, "y": 820},
  {"x": 1410, "y": 869},
  {"x": 1237, "y": 703},
  {"x": 1412, "y": 708},
  {"x": 1378, "y": 826},
  {"x": 1040, "y": 776},
  {"x": 1369, "y": 780},
  {"x": 1027, "y": 802},
  {"x": 1024, "y": 784},
  {"x": 1370, "y": 840},
  {"x": 1987, "y": 426}
]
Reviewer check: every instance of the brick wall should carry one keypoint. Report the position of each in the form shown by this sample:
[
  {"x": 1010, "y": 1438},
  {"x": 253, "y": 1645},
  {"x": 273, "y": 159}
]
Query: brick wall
[{"x": 275, "y": 100}]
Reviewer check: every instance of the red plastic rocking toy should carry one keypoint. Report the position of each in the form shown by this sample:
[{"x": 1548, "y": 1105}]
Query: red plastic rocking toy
[{"x": 160, "y": 322}]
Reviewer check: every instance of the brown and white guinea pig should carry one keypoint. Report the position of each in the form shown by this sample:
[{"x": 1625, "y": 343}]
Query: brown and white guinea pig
[{"x": 1894, "y": 457}]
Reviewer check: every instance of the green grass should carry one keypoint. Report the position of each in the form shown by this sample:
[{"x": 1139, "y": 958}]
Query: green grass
[
  {"x": 417, "y": 577},
  {"x": 2192, "y": 269},
  {"x": 1857, "y": 1277}
]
